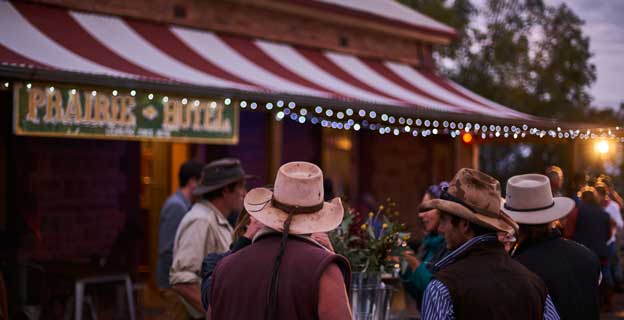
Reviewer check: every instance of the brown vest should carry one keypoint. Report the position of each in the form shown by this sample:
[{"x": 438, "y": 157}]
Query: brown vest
[
  {"x": 485, "y": 283},
  {"x": 241, "y": 281}
]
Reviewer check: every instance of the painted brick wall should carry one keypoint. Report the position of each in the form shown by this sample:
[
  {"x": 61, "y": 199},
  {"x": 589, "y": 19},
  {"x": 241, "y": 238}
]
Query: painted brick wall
[{"x": 78, "y": 193}]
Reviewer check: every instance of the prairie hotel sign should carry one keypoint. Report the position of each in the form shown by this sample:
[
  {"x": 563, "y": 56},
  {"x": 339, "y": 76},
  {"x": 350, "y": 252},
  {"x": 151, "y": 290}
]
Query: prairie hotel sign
[{"x": 66, "y": 111}]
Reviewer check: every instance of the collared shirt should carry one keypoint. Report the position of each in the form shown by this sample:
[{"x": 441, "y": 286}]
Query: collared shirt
[
  {"x": 203, "y": 230},
  {"x": 437, "y": 301},
  {"x": 613, "y": 209},
  {"x": 171, "y": 215}
]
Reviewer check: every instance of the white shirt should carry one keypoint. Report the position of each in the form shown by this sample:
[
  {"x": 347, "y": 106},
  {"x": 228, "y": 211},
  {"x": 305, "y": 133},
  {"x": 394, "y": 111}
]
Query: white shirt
[
  {"x": 203, "y": 230},
  {"x": 613, "y": 209}
]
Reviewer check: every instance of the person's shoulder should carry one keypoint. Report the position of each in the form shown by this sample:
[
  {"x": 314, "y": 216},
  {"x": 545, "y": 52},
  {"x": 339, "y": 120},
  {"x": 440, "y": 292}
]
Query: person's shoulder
[{"x": 578, "y": 251}]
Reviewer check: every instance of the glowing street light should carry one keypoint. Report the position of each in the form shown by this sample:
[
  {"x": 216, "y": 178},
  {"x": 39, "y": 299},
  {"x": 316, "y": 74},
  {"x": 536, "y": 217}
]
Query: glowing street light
[{"x": 602, "y": 147}]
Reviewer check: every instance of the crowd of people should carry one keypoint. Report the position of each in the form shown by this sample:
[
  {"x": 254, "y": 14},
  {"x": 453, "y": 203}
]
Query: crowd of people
[{"x": 534, "y": 254}]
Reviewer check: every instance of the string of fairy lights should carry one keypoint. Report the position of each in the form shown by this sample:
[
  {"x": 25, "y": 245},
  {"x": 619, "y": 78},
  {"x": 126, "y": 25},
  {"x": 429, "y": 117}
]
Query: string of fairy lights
[
  {"x": 385, "y": 124},
  {"x": 359, "y": 119}
]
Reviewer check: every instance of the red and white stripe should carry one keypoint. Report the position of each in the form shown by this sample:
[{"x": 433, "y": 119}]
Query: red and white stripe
[{"x": 41, "y": 37}]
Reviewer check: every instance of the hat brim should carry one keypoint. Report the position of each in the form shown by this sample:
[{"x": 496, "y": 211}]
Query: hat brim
[
  {"x": 459, "y": 210},
  {"x": 562, "y": 207},
  {"x": 203, "y": 189},
  {"x": 258, "y": 205}
]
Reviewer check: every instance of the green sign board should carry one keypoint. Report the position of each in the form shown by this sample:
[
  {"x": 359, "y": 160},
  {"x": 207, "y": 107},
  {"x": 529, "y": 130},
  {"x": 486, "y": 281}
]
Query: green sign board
[{"x": 78, "y": 112}]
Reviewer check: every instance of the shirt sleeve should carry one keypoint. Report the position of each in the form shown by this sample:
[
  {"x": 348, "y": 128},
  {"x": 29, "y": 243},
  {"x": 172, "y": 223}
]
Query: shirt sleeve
[
  {"x": 614, "y": 212},
  {"x": 437, "y": 303},
  {"x": 189, "y": 253},
  {"x": 550, "y": 312}
]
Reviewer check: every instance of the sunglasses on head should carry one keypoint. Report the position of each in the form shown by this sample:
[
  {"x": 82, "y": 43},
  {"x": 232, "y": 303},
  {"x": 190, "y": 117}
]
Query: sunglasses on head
[{"x": 449, "y": 197}]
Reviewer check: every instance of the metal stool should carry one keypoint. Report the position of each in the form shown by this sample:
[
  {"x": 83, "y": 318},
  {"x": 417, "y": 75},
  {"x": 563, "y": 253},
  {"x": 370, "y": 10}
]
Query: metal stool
[{"x": 81, "y": 283}]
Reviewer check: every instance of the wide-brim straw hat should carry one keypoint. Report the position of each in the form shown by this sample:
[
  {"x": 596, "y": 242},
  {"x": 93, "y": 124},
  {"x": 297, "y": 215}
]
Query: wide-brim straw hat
[
  {"x": 220, "y": 173},
  {"x": 474, "y": 196},
  {"x": 530, "y": 201},
  {"x": 298, "y": 189}
]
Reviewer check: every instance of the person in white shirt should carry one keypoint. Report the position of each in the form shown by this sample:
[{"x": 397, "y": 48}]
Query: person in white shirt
[{"x": 613, "y": 209}]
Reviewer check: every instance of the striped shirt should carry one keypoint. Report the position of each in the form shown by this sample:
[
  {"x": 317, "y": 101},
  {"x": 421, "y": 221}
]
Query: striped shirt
[{"x": 437, "y": 302}]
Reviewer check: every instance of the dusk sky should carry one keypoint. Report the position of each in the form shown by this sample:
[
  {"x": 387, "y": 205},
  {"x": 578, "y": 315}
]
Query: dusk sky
[{"x": 604, "y": 24}]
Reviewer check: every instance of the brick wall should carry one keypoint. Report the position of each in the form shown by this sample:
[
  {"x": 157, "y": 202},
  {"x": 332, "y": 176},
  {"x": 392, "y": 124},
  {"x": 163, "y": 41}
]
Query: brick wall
[
  {"x": 77, "y": 193},
  {"x": 274, "y": 21}
]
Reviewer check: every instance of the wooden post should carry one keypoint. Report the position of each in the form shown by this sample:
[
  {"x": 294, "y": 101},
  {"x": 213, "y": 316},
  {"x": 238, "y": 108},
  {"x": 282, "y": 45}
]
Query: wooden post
[
  {"x": 275, "y": 145},
  {"x": 180, "y": 153}
]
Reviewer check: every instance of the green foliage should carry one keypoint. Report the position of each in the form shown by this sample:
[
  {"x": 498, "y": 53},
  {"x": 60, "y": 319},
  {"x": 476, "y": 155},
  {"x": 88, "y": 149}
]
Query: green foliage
[
  {"x": 368, "y": 240},
  {"x": 520, "y": 53}
]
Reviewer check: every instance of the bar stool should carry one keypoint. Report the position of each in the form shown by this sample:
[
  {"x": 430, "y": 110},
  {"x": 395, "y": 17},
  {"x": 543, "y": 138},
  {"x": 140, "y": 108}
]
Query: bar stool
[{"x": 81, "y": 283}]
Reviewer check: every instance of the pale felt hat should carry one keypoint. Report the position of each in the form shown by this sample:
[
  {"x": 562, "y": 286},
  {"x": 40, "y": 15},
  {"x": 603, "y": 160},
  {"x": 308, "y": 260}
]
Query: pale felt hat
[
  {"x": 530, "y": 200},
  {"x": 476, "y": 197},
  {"x": 298, "y": 189}
]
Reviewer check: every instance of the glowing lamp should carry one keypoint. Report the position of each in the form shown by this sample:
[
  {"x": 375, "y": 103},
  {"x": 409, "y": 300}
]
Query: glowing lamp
[
  {"x": 467, "y": 137},
  {"x": 602, "y": 147}
]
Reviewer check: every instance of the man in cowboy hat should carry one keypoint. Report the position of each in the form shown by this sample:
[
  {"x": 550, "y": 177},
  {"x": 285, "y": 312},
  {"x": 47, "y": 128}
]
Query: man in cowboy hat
[
  {"x": 569, "y": 269},
  {"x": 478, "y": 279},
  {"x": 284, "y": 273},
  {"x": 205, "y": 229}
]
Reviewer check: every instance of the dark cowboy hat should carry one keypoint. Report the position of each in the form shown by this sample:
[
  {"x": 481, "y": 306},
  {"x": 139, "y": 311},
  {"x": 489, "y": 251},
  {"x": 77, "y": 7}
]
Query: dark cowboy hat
[{"x": 220, "y": 173}]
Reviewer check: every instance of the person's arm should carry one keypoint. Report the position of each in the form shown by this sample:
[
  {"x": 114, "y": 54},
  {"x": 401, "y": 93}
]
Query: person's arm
[
  {"x": 188, "y": 255},
  {"x": 615, "y": 196},
  {"x": 617, "y": 216},
  {"x": 437, "y": 303},
  {"x": 333, "y": 300},
  {"x": 550, "y": 312},
  {"x": 190, "y": 292}
]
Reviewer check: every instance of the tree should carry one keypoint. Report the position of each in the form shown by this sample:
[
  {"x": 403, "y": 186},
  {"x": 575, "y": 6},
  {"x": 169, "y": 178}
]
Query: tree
[
  {"x": 526, "y": 55},
  {"x": 521, "y": 53}
]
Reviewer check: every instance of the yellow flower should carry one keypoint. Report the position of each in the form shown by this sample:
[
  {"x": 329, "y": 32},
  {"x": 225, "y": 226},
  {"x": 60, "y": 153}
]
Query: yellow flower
[
  {"x": 364, "y": 226},
  {"x": 405, "y": 238},
  {"x": 385, "y": 225}
]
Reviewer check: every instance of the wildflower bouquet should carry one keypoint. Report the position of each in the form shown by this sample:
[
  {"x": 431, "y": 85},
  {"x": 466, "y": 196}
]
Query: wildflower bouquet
[{"x": 369, "y": 240}]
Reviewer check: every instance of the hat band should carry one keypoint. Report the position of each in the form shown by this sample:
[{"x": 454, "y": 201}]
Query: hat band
[
  {"x": 449, "y": 197},
  {"x": 296, "y": 209},
  {"x": 530, "y": 209}
]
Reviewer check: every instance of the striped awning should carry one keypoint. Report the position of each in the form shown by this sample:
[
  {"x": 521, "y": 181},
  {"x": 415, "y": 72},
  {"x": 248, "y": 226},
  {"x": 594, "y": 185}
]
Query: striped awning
[{"x": 39, "y": 37}]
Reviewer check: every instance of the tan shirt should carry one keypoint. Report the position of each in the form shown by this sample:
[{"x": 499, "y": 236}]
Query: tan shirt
[{"x": 203, "y": 230}]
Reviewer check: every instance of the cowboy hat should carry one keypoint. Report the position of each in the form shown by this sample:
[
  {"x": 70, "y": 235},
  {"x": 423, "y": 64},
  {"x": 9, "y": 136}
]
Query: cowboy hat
[
  {"x": 474, "y": 196},
  {"x": 220, "y": 173},
  {"x": 298, "y": 189},
  {"x": 530, "y": 200}
]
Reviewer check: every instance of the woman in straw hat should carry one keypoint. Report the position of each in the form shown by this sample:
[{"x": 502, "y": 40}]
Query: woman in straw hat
[
  {"x": 569, "y": 270},
  {"x": 285, "y": 273}
]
